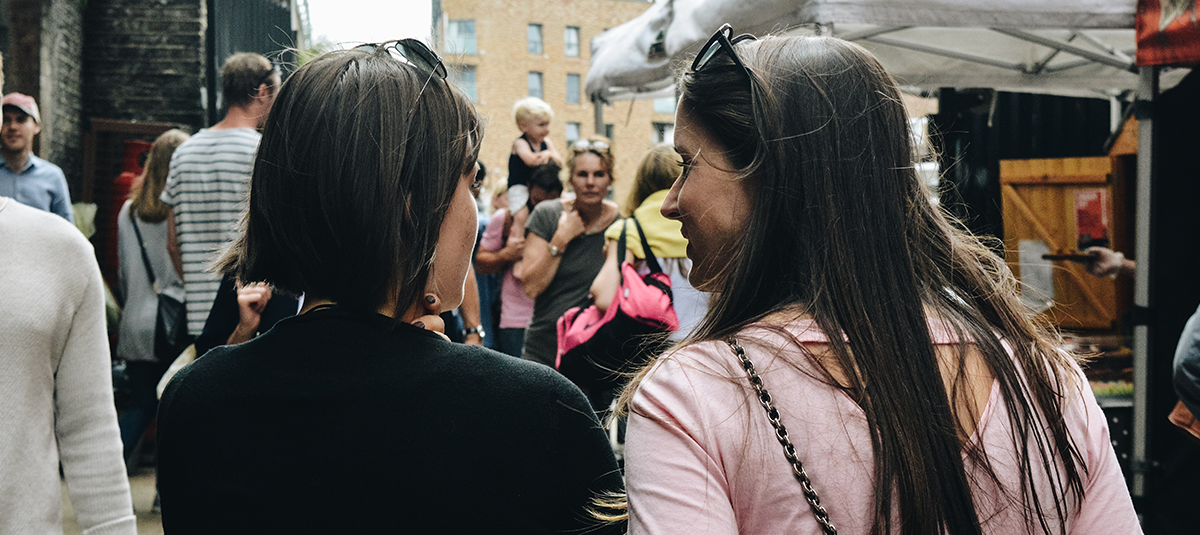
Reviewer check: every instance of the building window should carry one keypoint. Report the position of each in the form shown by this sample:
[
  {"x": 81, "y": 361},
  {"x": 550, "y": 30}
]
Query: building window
[
  {"x": 571, "y": 40},
  {"x": 463, "y": 77},
  {"x": 573, "y": 132},
  {"x": 664, "y": 133},
  {"x": 534, "y": 35},
  {"x": 608, "y": 132},
  {"x": 460, "y": 37},
  {"x": 535, "y": 84},
  {"x": 664, "y": 105},
  {"x": 572, "y": 89}
]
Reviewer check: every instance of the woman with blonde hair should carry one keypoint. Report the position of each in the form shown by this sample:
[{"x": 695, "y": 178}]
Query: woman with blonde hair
[
  {"x": 142, "y": 225},
  {"x": 865, "y": 365},
  {"x": 564, "y": 245}
]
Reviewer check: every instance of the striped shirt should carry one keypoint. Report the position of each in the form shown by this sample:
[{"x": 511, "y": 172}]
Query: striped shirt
[{"x": 207, "y": 188}]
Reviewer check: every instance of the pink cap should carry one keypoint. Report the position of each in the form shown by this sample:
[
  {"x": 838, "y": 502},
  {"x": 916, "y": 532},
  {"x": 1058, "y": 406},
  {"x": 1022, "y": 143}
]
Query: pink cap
[{"x": 24, "y": 103}]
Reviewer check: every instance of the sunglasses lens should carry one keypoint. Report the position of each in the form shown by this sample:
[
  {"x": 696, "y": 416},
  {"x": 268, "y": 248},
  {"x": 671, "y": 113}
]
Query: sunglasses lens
[{"x": 708, "y": 54}]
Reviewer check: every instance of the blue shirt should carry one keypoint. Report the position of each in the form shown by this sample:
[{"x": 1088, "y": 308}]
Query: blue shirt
[{"x": 40, "y": 184}]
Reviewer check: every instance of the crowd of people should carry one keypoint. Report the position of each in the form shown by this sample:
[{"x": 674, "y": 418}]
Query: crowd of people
[{"x": 321, "y": 231}]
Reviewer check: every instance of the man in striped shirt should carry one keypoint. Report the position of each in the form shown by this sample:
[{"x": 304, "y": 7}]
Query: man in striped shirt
[{"x": 208, "y": 181}]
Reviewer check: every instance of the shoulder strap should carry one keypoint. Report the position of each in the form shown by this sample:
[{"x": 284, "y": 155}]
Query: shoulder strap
[
  {"x": 142, "y": 246},
  {"x": 621, "y": 252},
  {"x": 651, "y": 260}
]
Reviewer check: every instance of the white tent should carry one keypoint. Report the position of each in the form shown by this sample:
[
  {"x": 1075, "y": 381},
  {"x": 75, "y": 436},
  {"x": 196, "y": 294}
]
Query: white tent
[{"x": 1066, "y": 47}]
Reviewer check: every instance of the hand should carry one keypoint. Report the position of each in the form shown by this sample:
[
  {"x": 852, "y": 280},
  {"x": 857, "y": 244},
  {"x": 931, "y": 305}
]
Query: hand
[
  {"x": 473, "y": 340},
  {"x": 570, "y": 225},
  {"x": 513, "y": 251},
  {"x": 1105, "y": 262},
  {"x": 432, "y": 321},
  {"x": 252, "y": 299}
]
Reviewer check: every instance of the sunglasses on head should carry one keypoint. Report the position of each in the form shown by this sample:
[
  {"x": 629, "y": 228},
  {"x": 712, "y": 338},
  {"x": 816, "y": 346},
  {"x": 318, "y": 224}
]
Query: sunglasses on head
[
  {"x": 584, "y": 145},
  {"x": 722, "y": 41},
  {"x": 415, "y": 52}
]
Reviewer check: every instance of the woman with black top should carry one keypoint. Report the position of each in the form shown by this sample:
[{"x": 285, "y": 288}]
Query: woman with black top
[{"x": 353, "y": 417}]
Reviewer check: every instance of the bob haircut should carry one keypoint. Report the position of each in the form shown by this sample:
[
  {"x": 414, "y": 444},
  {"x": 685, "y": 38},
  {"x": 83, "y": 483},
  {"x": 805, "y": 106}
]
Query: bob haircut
[
  {"x": 657, "y": 172},
  {"x": 530, "y": 108},
  {"x": 145, "y": 202},
  {"x": 842, "y": 229},
  {"x": 360, "y": 156}
]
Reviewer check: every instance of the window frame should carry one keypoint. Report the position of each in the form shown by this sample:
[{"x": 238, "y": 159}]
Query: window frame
[
  {"x": 578, "y": 92},
  {"x": 474, "y": 40}
]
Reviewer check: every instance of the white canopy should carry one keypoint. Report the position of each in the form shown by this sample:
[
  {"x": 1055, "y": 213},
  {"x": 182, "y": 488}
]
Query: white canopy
[{"x": 1068, "y": 47}]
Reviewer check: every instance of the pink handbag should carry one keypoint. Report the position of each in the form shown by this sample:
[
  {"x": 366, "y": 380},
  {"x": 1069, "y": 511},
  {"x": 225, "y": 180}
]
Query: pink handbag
[{"x": 593, "y": 347}]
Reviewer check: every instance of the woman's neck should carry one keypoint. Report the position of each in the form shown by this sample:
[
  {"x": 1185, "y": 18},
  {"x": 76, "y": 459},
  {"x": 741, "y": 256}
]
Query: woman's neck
[{"x": 590, "y": 214}]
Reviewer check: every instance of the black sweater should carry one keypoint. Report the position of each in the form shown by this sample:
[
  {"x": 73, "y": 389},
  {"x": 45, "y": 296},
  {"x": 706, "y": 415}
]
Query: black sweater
[{"x": 335, "y": 422}]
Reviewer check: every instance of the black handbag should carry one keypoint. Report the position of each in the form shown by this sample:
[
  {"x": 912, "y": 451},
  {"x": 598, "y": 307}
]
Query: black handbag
[
  {"x": 597, "y": 351},
  {"x": 170, "y": 327}
]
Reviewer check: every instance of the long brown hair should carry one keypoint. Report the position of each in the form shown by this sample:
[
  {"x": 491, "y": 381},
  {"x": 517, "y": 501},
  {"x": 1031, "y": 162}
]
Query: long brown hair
[
  {"x": 359, "y": 160},
  {"x": 842, "y": 228},
  {"x": 145, "y": 201}
]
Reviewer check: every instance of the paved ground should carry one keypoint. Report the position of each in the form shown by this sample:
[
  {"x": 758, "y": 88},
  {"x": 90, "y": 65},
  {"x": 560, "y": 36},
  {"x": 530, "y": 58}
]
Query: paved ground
[{"x": 142, "y": 486}]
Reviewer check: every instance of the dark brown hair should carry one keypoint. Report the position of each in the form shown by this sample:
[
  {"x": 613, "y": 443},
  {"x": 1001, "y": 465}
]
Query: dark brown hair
[
  {"x": 359, "y": 159},
  {"x": 843, "y": 229},
  {"x": 241, "y": 77},
  {"x": 145, "y": 201}
]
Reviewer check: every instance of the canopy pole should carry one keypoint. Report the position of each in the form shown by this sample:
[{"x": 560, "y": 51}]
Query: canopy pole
[
  {"x": 1147, "y": 94},
  {"x": 598, "y": 114}
]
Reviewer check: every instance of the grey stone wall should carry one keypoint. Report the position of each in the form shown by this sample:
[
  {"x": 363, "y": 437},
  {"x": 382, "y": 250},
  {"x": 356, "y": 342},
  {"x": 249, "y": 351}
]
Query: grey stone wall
[
  {"x": 144, "y": 61},
  {"x": 59, "y": 88}
]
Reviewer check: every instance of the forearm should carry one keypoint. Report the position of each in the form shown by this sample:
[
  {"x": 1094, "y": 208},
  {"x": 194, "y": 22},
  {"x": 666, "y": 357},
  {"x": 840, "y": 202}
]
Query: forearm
[
  {"x": 538, "y": 266},
  {"x": 604, "y": 287},
  {"x": 489, "y": 263}
]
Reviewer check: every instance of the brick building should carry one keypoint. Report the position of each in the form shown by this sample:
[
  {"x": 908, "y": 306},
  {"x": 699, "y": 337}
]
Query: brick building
[
  {"x": 500, "y": 51},
  {"x": 110, "y": 72}
]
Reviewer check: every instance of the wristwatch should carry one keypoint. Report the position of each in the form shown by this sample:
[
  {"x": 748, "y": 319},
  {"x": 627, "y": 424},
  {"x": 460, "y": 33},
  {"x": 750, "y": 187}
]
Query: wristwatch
[
  {"x": 478, "y": 329},
  {"x": 554, "y": 250}
]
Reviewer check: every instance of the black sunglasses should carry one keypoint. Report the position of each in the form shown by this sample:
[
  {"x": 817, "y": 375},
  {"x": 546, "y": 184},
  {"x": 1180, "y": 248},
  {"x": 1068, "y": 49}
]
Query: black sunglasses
[
  {"x": 415, "y": 53},
  {"x": 722, "y": 40}
]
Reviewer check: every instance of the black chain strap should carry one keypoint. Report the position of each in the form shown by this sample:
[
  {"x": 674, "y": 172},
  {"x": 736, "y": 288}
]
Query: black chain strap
[{"x": 781, "y": 433}]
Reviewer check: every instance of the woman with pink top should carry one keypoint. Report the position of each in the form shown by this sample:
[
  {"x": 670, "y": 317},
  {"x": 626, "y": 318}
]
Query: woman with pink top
[{"x": 865, "y": 365}]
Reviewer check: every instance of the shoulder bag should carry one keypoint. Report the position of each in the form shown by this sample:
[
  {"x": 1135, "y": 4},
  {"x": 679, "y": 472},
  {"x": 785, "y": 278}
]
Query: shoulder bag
[
  {"x": 781, "y": 433},
  {"x": 594, "y": 349},
  {"x": 170, "y": 327}
]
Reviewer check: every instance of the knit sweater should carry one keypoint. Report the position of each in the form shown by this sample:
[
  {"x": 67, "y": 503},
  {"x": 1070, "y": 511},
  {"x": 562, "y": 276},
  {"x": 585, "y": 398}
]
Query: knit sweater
[
  {"x": 55, "y": 383},
  {"x": 340, "y": 422}
]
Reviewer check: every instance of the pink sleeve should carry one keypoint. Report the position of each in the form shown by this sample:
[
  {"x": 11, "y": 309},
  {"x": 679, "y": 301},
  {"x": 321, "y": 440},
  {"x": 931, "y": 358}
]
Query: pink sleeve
[
  {"x": 674, "y": 479},
  {"x": 493, "y": 233},
  {"x": 1107, "y": 507}
]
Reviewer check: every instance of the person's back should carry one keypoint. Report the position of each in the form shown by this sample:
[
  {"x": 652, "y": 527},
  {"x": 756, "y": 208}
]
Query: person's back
[
  {"x": 56, "y": 399},
  {"x": 747, "y": 484},
  {"x": 206, "y": 190},
  {"x": 207, "y": 182},
  {"x": 327, "y": 436}
]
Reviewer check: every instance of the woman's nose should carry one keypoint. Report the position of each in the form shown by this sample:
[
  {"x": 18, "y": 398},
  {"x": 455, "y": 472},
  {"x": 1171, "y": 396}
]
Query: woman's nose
[{"x": 670, "y": 205}]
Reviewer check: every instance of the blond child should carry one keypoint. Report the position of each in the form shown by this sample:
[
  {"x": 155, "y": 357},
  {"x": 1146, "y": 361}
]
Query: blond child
[{"x": 533, "y": 148}]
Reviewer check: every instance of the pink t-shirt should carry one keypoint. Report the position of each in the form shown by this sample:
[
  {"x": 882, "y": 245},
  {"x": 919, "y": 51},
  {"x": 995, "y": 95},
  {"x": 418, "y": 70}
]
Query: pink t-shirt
[
  {"x": 515, "y": 307},
  {"x": 710, "y": 463}
]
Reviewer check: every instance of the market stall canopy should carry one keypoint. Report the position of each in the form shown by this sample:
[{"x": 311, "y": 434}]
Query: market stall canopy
[{"x": 1066, "y": 47}]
